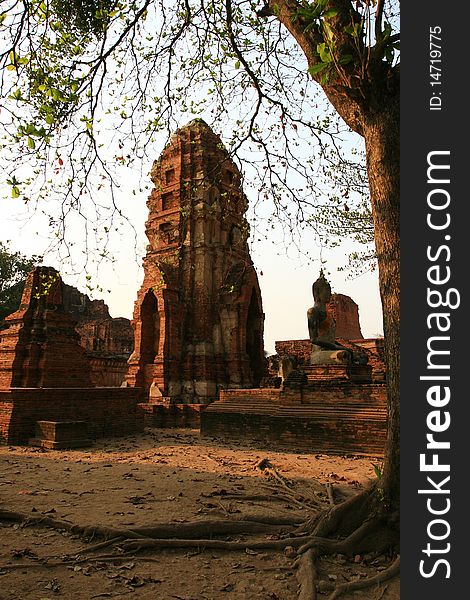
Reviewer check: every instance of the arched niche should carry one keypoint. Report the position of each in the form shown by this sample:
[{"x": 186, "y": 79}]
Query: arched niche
[{"x": 150, "y": 328}]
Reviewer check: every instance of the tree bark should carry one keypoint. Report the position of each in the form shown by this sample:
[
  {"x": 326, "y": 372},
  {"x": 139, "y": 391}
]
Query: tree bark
[
  {"x": 381, "y": 130},
  {"x": 381, "y": 134},
  {"x": 373, "y": 112}
]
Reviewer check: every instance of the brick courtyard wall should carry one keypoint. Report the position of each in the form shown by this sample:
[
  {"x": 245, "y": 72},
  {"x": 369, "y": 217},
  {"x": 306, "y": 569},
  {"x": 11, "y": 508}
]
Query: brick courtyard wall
[
  {"x": 171, "y": 415},
  {"x": 109, "y": 412},
  {"x": 268, "y": 395},
  {"x": 344, "y": 418}
]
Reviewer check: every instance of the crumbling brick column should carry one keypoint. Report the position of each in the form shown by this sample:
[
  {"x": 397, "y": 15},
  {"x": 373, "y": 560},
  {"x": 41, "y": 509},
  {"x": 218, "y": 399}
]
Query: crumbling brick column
[{"x": 198, "y": 319}]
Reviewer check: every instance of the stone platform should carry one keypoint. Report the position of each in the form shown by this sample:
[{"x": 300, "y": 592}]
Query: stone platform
[
  {"x": 60, "y": 435},
  {"x": 338, "y": 373},
  {"x": 328, "y": 418}
]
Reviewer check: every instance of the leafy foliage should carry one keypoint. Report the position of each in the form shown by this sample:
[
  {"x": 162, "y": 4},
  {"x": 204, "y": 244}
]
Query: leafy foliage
[
  {"x": 14, "y": 267},
  {"x": 90, "y": 86},
  {"x": 86, "y": 16}
]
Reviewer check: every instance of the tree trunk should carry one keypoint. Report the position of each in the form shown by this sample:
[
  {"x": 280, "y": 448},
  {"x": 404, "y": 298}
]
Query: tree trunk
[
  {"x": 381, "y": 134},
  {"x": 370, "y": 107}
]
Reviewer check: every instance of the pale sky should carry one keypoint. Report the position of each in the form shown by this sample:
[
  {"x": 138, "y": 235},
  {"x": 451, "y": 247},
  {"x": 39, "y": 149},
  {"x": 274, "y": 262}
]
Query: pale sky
[{"x": 286, "y": 279}]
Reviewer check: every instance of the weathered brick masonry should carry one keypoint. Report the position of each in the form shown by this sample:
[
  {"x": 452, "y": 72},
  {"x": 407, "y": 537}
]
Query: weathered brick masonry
[
  {"x": 108, "y": 342},
  {"x": 39, "y": 346},
  {"x": 374, "y": 348},
  {"x": 107, "y": 411},
  {"x": 198, "y": 319},
  {"x": 325, "y": 417},
  {"x": 47, "y": 375},
  {"x": 346, "y": 315},
  {"x": 322, "y": 406}
]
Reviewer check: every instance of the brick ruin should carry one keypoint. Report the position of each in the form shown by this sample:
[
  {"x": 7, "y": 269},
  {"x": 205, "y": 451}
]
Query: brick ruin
[
  {"x": 45, "y": 331},
  {"x": 46, "y": 372},
  {"x": 198, "y": 319},
  {"x": 40, "y": 347},
  {"x": 348, "y": 332},
  {"x": 323, "y": 400},
  {"x": 108, "y": 342},
  {"x": 196, "y": 341},
  {"x": 301, "y": 349},
  {"x": 100, "y": 334},
  {"x": 346, "y": 314}
]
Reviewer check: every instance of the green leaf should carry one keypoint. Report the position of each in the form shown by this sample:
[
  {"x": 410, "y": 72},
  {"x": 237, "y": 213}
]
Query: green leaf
[
  {"x": 237, "y": 64},
  {"x": 31, "y": 143},
  {"x": 15, "y": 192},
  {"x": 317, "y": 68},
  {"x": 324, "y": 53},
  {"x": 389, "y": 54},
  {"x": 330, "y": 13}
]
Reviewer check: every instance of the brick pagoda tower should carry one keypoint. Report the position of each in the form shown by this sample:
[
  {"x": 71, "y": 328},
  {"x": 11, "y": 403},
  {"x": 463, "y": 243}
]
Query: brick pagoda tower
[
  {"x": 198, "y": 319},
  {"x": 39, "y": 346}
]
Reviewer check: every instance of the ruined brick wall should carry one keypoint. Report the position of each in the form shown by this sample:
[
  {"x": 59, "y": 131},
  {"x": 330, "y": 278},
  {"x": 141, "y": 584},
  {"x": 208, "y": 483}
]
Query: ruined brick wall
[
  {"x": 60, "y": 338},
  {"x": 171, "y": 415},
  {"x": 372, "y": 346},
  {"x": 107, "y": 371},
  {"x": 326, "y": 417},
  {"x": 198, "y": 319},
  {"x": 375, "y": 349},
  {"x": 346, "y": 314},
  {"x": 98, "y": 331},
  {"x": 301, "y": 349},
  {"x": 108, "y": 412},
  {"x": 39, "y": 346}
]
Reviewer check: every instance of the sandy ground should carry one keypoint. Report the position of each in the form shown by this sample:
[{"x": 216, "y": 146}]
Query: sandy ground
[{"x": 165, "y": 476}]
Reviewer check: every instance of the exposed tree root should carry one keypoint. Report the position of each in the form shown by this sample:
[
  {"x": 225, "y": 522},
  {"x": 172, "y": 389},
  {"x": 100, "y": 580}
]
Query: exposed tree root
[
  {"x": 344, "y": 518},
  {"x": 195, "y": 529},
  {"x": 305, "y": 499},
  {"x": 364, "y": 526},
  {"x": 393, "y": 570},
  {"x": 101, "y": 545},
  {"x": 134, "y": 545},
  {"x": 358, "y": 525},
  {"x": 350, "y": 545},
  {"x": 307, "y": 574}
]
